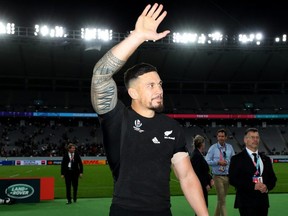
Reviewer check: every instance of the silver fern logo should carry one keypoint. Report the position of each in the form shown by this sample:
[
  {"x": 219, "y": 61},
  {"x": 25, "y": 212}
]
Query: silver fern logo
[{"x": 167, "y": 135}]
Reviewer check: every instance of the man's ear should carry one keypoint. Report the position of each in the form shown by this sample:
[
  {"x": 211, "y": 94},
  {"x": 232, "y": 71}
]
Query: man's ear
[{"x": 133, "y": 93}]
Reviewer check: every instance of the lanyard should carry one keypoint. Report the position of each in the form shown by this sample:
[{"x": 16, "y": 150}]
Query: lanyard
[
  {"x": 222, "y": 153},
  {"x": 71, "y": 156},
  {"x": 257, "y": 165}
]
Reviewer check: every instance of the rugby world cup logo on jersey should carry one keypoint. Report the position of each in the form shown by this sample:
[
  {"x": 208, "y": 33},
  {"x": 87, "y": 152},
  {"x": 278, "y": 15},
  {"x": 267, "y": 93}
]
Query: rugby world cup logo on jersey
[
  {"x": 167, "y": 135},
  {"x": 137, "y": 125}
]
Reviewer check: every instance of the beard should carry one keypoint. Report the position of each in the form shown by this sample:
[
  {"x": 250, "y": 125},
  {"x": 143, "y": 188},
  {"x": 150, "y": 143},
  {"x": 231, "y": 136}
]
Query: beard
[{"x": 159, "y": 108}]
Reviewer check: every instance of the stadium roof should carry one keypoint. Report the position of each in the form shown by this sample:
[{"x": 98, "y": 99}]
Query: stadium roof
[
  {"x": 29, "y": 63},
  {"x": 227, "y": 16}
]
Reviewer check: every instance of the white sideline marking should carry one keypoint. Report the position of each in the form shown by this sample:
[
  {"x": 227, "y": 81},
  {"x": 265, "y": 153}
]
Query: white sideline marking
[{"x": 14, "y": 175}]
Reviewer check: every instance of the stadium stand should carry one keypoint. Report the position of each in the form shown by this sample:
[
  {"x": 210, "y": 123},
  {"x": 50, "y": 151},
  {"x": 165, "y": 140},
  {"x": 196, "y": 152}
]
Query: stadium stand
[{"x": 40, "y": 75}]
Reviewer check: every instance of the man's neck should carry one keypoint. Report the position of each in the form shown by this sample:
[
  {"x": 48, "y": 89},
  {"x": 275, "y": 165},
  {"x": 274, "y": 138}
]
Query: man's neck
[
  {"x": 253, "y": 150},
  {"x": 222, "y": 144},
  {"x": 147, "y": 113}
]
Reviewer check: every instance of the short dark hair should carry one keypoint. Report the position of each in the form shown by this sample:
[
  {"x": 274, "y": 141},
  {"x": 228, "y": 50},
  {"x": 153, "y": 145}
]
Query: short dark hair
[
  {"x": 136, "y": 71},
  {"x": 222, "y": 130},
  {"x": 70, "y": 145},
  {"x": 250, "y": 130},
  {"x": 198, "y": 141}
]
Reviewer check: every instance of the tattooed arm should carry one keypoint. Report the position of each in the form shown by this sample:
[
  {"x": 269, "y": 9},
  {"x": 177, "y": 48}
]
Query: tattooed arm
[{"x": 103, "y": 87}]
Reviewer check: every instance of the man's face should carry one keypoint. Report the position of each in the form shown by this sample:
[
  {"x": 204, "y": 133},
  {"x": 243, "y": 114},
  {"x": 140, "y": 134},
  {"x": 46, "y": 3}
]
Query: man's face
[
  {"x": 149, "y": 91},
  {"x": 252, "y": 140},
  {"x": 72, "y": 149},
  {"x": 221, "y": 137}
]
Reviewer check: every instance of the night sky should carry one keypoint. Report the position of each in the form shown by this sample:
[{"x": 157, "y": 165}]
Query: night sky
[{"x": 230, "y": 17}]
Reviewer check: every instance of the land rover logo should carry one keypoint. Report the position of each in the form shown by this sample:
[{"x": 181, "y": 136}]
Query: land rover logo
[{"x": 19, "y": 191}]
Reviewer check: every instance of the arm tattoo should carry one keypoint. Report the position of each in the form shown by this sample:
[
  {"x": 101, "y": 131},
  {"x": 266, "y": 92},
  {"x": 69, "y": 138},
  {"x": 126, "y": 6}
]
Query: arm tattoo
[{"x": 103, "y": 87}]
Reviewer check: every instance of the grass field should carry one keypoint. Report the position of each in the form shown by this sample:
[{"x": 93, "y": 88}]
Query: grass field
[
  {"x": 97, "y": 181},
  {"x": 100, "y": 207}
]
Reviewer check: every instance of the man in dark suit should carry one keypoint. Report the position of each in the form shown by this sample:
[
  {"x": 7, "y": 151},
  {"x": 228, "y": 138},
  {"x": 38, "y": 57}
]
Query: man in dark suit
[
  {"x": 71, "y": 170},
  {"x": 201, "y": 166},
  {"x": 252, "y": 176}
]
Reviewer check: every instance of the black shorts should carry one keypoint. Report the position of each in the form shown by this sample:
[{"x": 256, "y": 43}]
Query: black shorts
[{"x": 116, "y": 210}]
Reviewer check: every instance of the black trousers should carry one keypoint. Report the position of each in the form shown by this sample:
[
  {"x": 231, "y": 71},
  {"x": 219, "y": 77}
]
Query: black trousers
[
  {"x": 253, "y": 211},
  {"x": 71, "y": 179},
  {"x": 118, "y": 211}
]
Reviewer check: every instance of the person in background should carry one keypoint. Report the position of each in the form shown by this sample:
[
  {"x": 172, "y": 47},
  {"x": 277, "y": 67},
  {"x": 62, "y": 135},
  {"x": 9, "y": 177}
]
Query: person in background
[
  {"x": 71, "y": 170},
  {"x": 252, "y": 175},
  {"x": 218, "y": 157},
  {"x": 201, "y": 166},
  {"x": 141, "y": 143}
]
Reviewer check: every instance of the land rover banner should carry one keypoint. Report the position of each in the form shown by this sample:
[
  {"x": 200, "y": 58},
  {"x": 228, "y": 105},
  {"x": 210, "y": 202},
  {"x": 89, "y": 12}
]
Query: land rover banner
[{"x": 20, "y": 190}]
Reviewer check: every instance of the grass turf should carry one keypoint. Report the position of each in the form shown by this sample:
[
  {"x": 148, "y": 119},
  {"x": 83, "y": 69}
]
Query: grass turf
[
  {"x": 97, "y": 180},
  {"x": 100, "y": 206}
]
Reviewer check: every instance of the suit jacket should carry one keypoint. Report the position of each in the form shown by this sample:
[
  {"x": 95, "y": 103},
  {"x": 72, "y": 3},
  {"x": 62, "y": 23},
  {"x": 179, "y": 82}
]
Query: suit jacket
[
  {"x": 76, "y": 165},
  {"x": 201, "y": 168},
  {"x": 241, "y": 172}
]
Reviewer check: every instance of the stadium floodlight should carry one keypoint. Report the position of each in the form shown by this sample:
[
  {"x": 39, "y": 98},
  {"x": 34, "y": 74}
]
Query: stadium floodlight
[
  {"x": 185, "y": 37},
  {"x": 283, "y": 39},
  {"x": 195, "y": 38},
  {"x": 96, "y": 34},
  {"x": 251, "y": 38},
  {"x": 202, "y": 39},
  {"x": 46, "y": 31},
  {"x": 8, "y": 28},
  {"x": 216, "y": 36}
]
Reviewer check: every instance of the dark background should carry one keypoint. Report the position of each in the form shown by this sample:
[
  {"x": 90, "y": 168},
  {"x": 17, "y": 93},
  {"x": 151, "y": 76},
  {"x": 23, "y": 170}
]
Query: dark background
[
  {"x": 58, "y": 72},
  {"x": 228, "y": 16}
]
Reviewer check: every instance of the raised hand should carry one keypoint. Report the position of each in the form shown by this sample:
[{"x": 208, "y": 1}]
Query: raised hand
[{"x": 148, "y": 22}]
